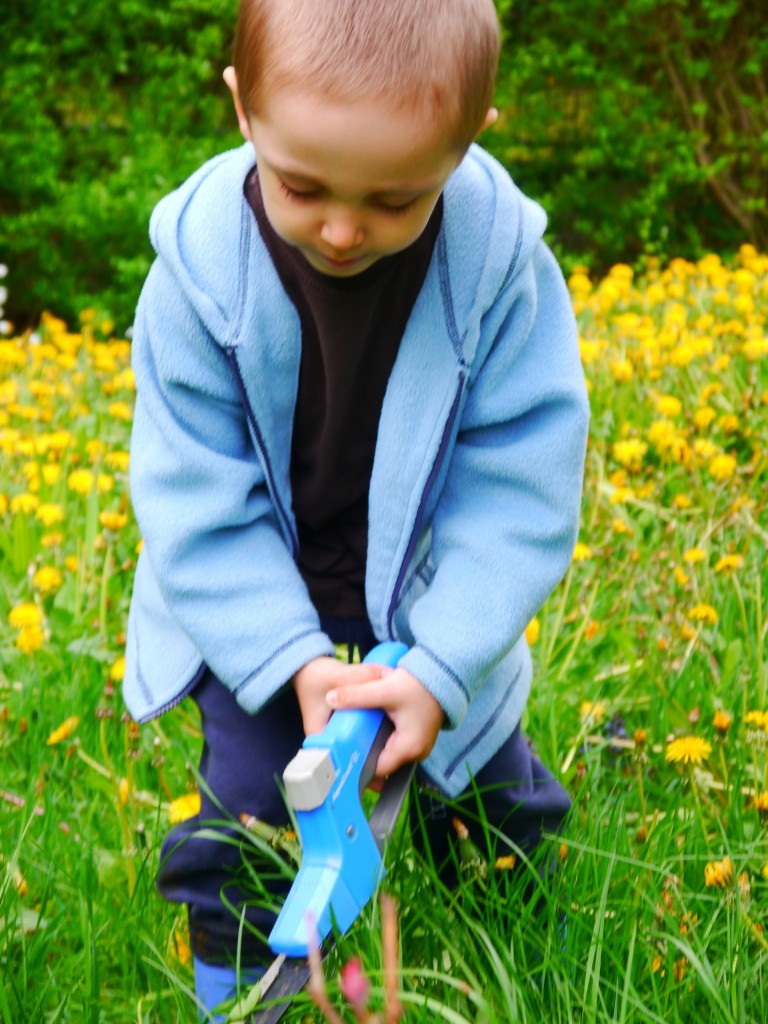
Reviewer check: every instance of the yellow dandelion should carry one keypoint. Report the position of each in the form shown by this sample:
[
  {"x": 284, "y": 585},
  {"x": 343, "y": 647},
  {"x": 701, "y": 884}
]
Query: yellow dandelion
[
  {"x": 25, "y": 503},
  {"x": 593, "y": 628},
  {"x": 728, "y": 423},
  {"x": 703, "y": 613},
  {"x": 105, "y": 483},
  {"x": 117, "y": 670},
  {"x": 113, "y": 520},
  {"x": 71, "y": 563},
  {"x": 81, "y": 481},
  {"x": 681, "y": 577},
  {"x": 183, "y": 807},
  {"x": 668, "y": 405},
  {"x": 755, "y": 349},
  {"x": 590, "y": 351},
  {"x": 592, "y": 712},
  {"x": 682, "y": 355},
  {"x": 52, "y": 540},
  {"x": 722, "y": 722},
  {"x": 25, "y": 615},
  {"x": 718, "y": 873},
  {"x": 682, "y": 501},
  {"x": 630, "y": 453},
  {"x": 758, "y": 718},
  {"x": 124, "y": 380},
  {"x": 703, "y": 417},
  {"x": 49, "y": 514},
  {"x": 124, "y": 791},
  {"x": 621, "y": 495},
  {"x": 760, "y": 802},
  {"x": 579, "y": 282},
  {"x": 505, "y": 863},
  {"x": 705, "y": 448},
  {"x": 688, "y": 749},
  {"x": 181, "y": 947},
  {"x": 64, "y": 731},
  {"x": 119, "y": 461},
  {"x": 722, "y": 467},
  {"x": 120, "y": 410},
  {"x": 47, "y": 579},
  {"x": 532, "y": 631},
  {"x": 728, "y": 563},
  {"x": 581, "y": 552},
  {"x": 693, "y": 555},
  {"x": 30, "y": 639},
  {"x": 621, "y": 527},
  {"x": 621, "y": 370}
]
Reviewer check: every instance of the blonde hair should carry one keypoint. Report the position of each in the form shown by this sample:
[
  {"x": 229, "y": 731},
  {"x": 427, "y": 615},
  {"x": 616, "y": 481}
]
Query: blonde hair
[{"x": 442, "y": 54}]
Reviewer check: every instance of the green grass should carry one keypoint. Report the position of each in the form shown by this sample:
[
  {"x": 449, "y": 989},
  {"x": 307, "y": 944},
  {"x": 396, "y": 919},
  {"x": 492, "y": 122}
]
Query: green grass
[{"x": 639, "y": 644}]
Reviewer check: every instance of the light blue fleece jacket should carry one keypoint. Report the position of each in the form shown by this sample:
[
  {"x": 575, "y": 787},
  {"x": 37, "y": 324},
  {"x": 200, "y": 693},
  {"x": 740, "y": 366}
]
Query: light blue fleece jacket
[{"x": 477, "y": 475}]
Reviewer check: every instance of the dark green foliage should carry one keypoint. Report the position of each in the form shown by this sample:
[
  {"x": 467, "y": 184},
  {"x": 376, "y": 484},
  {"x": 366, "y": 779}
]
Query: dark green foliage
[
  {"x": 641, "y": 126},
  {"x": 106, "y": 107}
]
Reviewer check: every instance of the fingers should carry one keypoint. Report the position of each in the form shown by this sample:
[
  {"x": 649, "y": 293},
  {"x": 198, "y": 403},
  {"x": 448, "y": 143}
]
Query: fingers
[
  {"x": 364, "y": 673},
  {"x": 363, "y": 695}
]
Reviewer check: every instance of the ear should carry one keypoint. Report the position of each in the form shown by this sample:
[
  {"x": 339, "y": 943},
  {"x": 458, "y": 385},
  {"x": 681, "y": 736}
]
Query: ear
[
  {"x": 230, "y": 77},
  {"x": 490, "y": 118}
]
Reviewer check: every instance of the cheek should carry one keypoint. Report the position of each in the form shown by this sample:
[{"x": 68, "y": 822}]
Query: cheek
[
  {"x": 291, "y": 222},
  {"x": 399, "y": 232}
]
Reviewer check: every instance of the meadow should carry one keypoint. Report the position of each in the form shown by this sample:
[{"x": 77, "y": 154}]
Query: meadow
[{"x": 649, "y": 703}]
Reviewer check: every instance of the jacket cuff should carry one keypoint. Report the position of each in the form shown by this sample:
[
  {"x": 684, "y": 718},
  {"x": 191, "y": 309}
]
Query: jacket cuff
[
  {"x": 271, "y": 676},
  {"x": 443, "y": 683}
]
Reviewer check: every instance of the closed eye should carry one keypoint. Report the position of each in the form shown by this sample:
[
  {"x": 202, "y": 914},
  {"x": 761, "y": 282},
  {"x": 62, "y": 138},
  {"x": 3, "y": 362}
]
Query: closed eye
[
  {"x": 296, "y": 196},
  {"x": 396, "y": 211}
]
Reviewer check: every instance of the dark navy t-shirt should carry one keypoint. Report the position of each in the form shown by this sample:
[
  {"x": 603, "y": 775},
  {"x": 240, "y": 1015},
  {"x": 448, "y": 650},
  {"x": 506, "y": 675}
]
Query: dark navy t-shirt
[{"x": 350, "y": 334}]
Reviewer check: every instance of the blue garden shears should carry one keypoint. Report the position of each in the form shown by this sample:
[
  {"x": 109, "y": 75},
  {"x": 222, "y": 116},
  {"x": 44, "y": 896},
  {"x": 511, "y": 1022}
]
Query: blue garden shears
[{"x": 342, "y": 849}]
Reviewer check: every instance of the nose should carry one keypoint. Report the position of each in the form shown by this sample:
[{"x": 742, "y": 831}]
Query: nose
[{"x": 341, "y": 230}]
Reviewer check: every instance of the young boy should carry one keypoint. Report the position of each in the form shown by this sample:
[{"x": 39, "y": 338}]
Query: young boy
[{"x": 360, "y": 415}]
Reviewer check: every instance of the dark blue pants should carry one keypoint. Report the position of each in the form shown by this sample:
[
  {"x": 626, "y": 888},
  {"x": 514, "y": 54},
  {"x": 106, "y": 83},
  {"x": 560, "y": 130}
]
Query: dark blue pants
[{"x": 243, "y": 756}]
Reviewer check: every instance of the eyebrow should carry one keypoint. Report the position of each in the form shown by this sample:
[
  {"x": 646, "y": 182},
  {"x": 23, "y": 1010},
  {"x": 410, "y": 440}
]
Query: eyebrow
[{"x": 314, "y": 183}]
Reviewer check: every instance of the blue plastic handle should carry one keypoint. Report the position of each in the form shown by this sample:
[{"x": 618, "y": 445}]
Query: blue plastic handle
[{"x": 341, "y": 863}]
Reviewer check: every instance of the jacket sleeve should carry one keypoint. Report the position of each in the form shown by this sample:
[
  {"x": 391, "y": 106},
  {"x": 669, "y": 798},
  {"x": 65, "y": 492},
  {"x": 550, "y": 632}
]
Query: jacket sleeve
[
  {"x": 506, "y": 523},
  {"x": 210, "y": 527}
]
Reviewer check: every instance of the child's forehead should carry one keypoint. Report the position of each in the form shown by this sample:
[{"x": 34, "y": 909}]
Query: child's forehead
[{"x": 388, "y": 144}]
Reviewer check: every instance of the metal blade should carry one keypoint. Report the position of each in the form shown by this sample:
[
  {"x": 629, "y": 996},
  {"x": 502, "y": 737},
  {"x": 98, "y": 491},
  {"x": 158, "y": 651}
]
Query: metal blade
[
  {"x": 387, "y": 810},
  {"x": 284, "y": 979}
]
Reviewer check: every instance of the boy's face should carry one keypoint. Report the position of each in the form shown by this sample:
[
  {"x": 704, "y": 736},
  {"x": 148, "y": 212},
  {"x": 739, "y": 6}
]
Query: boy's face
[{"x": 346, "y": 183}]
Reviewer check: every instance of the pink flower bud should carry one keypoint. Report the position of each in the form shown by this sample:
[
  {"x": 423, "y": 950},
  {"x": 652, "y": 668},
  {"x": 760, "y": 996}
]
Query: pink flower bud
[{"x": 354, "y": 985}]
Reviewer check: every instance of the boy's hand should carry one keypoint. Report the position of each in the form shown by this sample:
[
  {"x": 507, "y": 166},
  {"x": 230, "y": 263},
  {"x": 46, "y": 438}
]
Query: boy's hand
[
  {"x": 414, "y": 712},
  {"x": 317, "y": 677}
]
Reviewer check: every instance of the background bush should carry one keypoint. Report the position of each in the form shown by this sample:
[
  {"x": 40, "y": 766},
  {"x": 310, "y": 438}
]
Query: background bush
[{"x": 641, "y": 126}]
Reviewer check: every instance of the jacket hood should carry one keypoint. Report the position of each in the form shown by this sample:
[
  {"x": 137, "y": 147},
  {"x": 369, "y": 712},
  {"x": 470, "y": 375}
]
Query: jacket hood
[{"x": 489, "y": 230}]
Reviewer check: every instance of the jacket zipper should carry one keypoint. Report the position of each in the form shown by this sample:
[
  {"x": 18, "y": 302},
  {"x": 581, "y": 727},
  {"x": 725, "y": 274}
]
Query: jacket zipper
[
  {"x": 232, "y": 356},
  {"x": 422, "y": 505}
]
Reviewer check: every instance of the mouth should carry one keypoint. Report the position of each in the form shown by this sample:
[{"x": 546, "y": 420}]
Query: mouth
[{"x": 349, "y": 262}]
